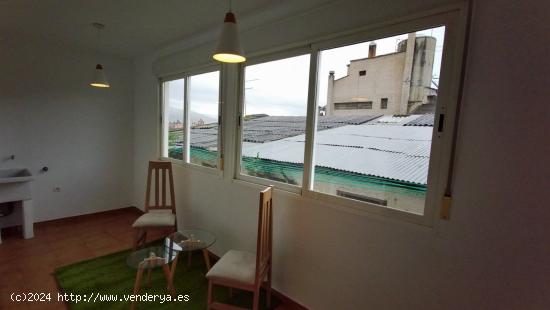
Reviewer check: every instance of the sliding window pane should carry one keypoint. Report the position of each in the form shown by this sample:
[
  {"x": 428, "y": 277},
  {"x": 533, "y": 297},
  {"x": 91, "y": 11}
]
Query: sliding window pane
[
  {"x": 376, "y": 113},
  {"x": 173, "y": 119},
  {"x": 275, "y": 108},
  {"x": 203, "y": 118}
]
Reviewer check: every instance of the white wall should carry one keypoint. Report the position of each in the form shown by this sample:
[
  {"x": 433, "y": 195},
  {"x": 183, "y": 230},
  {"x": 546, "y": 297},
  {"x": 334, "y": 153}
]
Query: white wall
[
  {"x": 49, "y": 116},
  {"x": 492, "y": 254}
]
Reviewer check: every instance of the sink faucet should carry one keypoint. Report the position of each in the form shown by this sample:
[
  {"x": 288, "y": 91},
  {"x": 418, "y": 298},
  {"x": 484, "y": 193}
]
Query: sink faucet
[{"x": 7, "y": 158}]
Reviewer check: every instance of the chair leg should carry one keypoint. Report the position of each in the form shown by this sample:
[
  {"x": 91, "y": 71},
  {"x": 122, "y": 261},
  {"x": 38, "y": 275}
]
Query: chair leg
[
  {"x": 143, "y": 238},
  {"x": 268, "y": 288},
  {"x": 209, "y": 299},
  {"x": 256, "y": 301}
]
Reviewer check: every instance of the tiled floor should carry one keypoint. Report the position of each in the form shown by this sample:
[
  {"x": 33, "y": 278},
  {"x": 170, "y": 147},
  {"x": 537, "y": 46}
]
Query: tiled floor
[{"x": 28, "y": 265}]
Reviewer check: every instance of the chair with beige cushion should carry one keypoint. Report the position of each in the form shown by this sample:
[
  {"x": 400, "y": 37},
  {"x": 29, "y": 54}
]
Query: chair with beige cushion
[
  {"x": 161, "y": 213},
  {"x": 245, "y": 270}
]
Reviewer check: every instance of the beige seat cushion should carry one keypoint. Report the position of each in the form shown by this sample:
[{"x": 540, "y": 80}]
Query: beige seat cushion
[
  {"x": 235, "y": 265},
  {"x": 156, "y": 218}
]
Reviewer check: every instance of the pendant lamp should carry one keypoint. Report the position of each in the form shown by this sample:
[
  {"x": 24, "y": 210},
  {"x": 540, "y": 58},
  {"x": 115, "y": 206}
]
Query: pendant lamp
[
  {"x": 99, "y": 77},
  {"x": 229, "y": 47}
]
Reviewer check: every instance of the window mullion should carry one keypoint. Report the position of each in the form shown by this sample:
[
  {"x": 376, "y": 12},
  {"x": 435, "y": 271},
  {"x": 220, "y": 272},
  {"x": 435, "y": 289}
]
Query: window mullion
[
  {"x": 311, "y": 122},
  {"x": 221, "y": 111},
  {"x": 239, "y": 111},
  {"x": 163, "y": 119},
  {"x": 186, "y": 121}
]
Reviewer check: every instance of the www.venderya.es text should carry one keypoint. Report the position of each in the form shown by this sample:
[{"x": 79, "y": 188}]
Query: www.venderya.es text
[{"x": 96, "y": 297}]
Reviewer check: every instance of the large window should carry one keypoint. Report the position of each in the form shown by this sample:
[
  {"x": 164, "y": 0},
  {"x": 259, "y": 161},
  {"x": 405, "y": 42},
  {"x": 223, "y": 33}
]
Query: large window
[
  {"x": 378, "y": 154},
  {"x": 190, "y": 119},
  {"x": 360, "y": 152},
  {"x": 364, "y": 121},
  {"x": 274, "y": 119}
]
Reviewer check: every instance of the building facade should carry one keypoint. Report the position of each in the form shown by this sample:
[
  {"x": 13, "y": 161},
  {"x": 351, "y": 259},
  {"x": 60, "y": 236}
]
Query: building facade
[{"x": 395, "y": 83}]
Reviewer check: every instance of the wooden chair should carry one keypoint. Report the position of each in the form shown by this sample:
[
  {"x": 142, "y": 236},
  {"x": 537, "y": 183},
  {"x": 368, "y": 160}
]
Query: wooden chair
[
  {"x": 245, "y": 270},
  {"x": 161, "y": 214}
]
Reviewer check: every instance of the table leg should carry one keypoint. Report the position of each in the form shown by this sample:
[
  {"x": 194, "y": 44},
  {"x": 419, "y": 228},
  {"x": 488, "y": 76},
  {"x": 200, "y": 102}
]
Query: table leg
[
  {"x": 137, "y": 284},
  {"x": 206, "y": 258},
  {"x": 149, "y": 277},
  {"x": 174, "y": 264},
  {"x": 169, "y": 279}
]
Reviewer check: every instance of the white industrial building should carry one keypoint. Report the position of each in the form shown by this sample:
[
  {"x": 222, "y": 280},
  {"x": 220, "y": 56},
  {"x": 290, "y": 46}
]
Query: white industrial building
[{"x": 395, "y": 83}]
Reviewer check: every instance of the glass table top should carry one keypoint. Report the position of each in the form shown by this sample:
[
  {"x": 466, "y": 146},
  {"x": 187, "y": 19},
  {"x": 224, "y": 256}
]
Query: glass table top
[
  {"x": 190, "y": 240},
  {"x": 151, "y": 257}
]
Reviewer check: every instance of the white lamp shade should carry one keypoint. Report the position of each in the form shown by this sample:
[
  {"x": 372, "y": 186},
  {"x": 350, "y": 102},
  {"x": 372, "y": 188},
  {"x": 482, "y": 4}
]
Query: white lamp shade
[
  {"x": 99, "y": 80},
  {"x": 229, "y": 47}
]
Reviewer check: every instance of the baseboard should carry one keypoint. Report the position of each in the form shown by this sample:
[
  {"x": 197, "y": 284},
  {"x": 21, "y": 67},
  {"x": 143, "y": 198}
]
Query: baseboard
[
  {"x": 293, "y": 305},
  {"x": 81, "y": 216}
]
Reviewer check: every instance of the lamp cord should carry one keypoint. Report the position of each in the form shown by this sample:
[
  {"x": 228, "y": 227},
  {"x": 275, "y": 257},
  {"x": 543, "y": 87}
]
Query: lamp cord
[{"x": 98, "y": 38}]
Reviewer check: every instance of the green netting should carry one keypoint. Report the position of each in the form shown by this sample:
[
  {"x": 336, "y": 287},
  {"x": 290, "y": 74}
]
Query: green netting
[
  {"x": 292, "y": 173},
  {"x": 276, "y": 170},
  {"x": 361, "y": 181},
  {"x": 204, "y": 157},
  {"x": 199, "y": 156},
  {"x": 273, "y": 170},
  {"x": 175, "y": 152}
]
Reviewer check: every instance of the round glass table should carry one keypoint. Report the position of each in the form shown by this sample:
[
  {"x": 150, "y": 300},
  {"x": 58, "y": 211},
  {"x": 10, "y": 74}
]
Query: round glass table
[
  {"x": 189, "y": 240},
  {"x": 161, "y": 256},
  {"x": 149, "y": 258}
]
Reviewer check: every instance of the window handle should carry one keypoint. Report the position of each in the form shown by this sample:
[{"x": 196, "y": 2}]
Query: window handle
[{"x": 441, "y": 122}]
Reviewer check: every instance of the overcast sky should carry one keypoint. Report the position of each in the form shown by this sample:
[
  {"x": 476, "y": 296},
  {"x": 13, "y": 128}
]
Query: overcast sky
[{"x": 280, "y": 87}]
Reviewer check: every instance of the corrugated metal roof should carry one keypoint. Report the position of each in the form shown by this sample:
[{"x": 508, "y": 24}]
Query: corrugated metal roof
[
  {"x": 205, "y": 138},
  {"x": 272, "y": 128},
  {"x": 392, "y": 152},
  {"x": 422, "y": 120},
  {"x": 399, "y": 152},
  {"x": 395, "y": 120}
]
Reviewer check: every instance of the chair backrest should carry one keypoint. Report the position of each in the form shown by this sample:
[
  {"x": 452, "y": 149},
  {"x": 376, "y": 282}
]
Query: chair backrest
[
  {"x": 161, "y": 171},
  {"x": 265, "y": 232}
]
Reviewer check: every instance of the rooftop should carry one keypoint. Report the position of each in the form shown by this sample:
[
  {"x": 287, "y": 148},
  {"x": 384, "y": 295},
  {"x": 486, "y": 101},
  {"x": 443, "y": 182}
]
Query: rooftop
[
  {"x": 390, "y": 152},
  {"x": 390, "y": 147}
]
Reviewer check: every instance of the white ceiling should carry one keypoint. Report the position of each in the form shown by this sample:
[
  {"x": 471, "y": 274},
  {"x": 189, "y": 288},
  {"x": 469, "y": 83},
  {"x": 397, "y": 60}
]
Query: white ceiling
[{"x": 133, "y": 27}]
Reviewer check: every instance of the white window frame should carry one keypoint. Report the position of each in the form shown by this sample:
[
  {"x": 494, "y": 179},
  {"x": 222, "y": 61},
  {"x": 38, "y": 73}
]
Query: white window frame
[
  {"x": 240, "y": 122},
  {"x": 186, "y": 162},
  {"x": 454, "y": 18}
]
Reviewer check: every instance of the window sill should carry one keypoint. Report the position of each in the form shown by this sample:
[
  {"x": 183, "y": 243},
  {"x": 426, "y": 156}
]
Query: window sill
[
  {"x": 366, "y": 208},
  {"x": 341, "y": 204},
  {"x": 212, "y": 171},
  {"x": 259, "y": 184}
]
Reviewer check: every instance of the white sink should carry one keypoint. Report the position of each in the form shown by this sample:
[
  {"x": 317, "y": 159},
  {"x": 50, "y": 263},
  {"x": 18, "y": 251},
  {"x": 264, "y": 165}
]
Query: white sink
[
  {"x": 15, "y": 175},
  {"x": 15, "y": 184}
]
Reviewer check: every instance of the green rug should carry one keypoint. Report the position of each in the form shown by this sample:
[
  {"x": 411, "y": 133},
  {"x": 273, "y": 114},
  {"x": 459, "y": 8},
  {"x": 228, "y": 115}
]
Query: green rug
[{"x": 109, "y": 276}]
